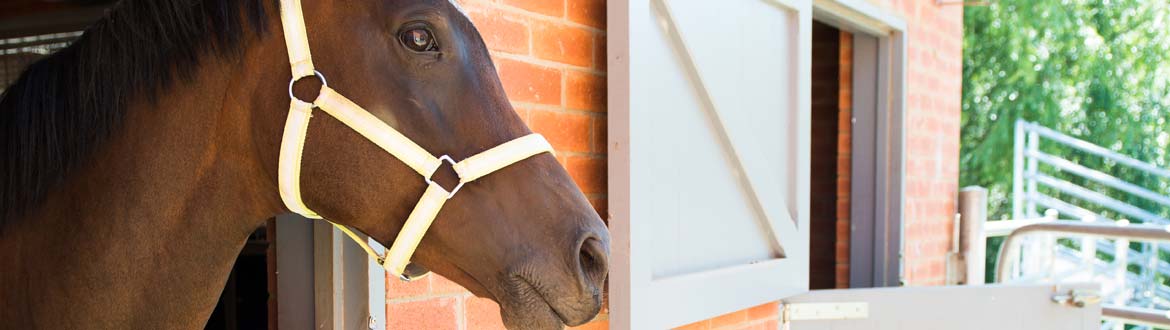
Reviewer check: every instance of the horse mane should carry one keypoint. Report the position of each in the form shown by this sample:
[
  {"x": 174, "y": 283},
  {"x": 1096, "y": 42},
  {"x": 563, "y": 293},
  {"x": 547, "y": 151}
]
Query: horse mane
[{"x": 64, "y": 105}]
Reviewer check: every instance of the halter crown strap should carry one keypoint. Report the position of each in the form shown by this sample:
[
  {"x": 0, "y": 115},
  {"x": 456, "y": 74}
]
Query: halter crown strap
[
  {"x": 296, "y": 39},
  {"x": 296, "y": 129}
]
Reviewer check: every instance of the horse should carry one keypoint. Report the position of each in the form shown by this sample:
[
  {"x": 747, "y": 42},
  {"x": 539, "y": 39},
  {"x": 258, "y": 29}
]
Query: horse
[{"x": 137, "y": 161}]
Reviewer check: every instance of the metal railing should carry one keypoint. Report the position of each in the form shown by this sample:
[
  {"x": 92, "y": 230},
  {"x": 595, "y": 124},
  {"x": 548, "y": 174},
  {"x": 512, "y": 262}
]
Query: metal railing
[
  {"x": 1099, "y": 196},
  {"x": 1123, "y": 233},
  {"x": 1027, "y": 178}
]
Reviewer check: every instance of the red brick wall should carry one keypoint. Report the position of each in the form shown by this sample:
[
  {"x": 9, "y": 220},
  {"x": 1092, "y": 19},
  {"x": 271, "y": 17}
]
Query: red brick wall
[
  {"x": 762, "y": 317},
  {"x": 550, "y": 55},
  {"x": 844, "y": 154},
  {"x": 934, "y": 72}
]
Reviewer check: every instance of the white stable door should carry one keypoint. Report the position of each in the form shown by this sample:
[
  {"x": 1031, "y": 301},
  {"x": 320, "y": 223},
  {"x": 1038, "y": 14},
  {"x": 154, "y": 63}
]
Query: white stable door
[
  {"x": 999, "y": 307},
  {"x": 709, "y": 131}
]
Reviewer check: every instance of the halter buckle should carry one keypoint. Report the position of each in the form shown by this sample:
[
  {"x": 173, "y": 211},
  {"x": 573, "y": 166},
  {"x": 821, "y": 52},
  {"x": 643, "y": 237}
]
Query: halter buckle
[
  {"x": 450, "y": 194},
  {"x": 295, "y": 79}
]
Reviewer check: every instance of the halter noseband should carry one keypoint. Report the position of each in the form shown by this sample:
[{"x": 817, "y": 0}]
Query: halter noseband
[{"x": 296, "y": 129}]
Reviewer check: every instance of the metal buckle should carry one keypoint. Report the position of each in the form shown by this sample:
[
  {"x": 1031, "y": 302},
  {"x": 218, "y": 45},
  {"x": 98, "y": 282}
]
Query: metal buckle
[
  {"x": 295, "y": 79},
  {"x": 450, "y": 194}
]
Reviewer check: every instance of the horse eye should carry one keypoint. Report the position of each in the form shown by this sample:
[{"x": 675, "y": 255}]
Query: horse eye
[{"x": 419, "y": 40}]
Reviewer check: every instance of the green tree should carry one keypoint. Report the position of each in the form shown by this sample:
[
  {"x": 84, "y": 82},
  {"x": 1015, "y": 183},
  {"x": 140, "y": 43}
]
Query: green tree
[{"x": 1095, "y": 69}]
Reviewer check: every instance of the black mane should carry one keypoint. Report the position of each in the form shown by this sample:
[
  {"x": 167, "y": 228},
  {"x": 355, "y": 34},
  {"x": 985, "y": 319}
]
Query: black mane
[{"x": 65, "y": 104}]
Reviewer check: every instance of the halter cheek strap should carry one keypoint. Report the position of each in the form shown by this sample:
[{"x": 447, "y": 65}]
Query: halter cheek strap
[{"x": 391, "y": 140}]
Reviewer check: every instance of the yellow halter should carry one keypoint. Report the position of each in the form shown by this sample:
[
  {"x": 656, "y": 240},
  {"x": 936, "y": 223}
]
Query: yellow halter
[{"x": 386, "y": 137}]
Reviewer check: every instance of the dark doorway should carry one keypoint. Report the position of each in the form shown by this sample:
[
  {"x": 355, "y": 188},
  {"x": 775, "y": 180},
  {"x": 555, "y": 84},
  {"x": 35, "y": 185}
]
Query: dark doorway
[
  {"x": 830, "y": 162},
  {"x": 245, "y": 301}
]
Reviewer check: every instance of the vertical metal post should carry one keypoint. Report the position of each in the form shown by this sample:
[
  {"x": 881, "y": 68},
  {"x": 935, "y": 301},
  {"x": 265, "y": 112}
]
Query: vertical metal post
[
  {"x": 972, "y": 239},
  {"x": 1151, "y": 273},
  {"x": 1038, "y": 256},
  {"x": 1120, "y": 262},
  {"x": 1120, "y": 265},
  {"x": 1032, "y": 170},
  {"x": 1089, "y": 249},
  {"x": 1018, "y": 172},
  {"x": 1048, "y": 246}
]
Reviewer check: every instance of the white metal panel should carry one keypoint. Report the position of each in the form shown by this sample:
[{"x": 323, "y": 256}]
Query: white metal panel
[
  {"x": 709, "y": 131},
  {"x": 1000, "y": 307}
]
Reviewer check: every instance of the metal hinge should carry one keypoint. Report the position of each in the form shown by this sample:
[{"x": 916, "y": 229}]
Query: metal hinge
[
  {"x": 1077, "y": 297},
  {"x": 822, "y": 311}
]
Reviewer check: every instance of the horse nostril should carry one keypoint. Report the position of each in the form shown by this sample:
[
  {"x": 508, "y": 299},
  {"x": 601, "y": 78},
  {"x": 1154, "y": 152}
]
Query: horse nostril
[{"x": 594, "y": 263}]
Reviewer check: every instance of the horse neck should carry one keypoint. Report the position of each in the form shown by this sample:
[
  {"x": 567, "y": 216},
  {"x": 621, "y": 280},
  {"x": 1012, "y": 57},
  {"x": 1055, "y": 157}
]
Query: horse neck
[{"x": 153, "y": 221}]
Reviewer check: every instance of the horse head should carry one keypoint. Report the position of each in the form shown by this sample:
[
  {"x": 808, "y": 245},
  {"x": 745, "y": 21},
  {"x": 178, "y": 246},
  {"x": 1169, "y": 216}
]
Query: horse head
[{"x": 524, "y": 236}]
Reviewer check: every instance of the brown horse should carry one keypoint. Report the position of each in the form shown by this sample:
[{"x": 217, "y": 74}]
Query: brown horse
[{"x": 137, "y": 161}]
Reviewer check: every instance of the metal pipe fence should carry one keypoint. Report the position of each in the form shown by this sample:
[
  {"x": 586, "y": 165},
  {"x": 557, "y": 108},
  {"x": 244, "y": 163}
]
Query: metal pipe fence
[
  {"x": 1118, "y": 306},
  {"x": 1098, "y": 243}
]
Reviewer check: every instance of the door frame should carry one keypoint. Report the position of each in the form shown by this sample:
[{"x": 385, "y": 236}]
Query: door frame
[
  {"x": 325, "y": 280},
  {"x": 878, "y": 192}
]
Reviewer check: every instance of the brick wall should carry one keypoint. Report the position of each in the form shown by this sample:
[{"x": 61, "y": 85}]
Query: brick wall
[
  {"x": 550, "y": 55},
  {"x": 762, "y": 317},
  {"x": 934, "y": 74},
  {"x": 844, "y": 154}
]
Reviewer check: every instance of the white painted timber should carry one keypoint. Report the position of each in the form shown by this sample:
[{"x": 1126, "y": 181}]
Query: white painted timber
[
  {"x": 709, "y": 131},
  {"x": 1000, "y": 307}
]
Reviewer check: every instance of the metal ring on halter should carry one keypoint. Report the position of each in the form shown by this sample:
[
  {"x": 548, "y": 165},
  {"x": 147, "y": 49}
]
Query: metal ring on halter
[
  {"x": 413, "y": 272},
  {"x": 382, "y": 262},
  {"x": 447, "y": 159},
  {"x": 295, "y": 79}
]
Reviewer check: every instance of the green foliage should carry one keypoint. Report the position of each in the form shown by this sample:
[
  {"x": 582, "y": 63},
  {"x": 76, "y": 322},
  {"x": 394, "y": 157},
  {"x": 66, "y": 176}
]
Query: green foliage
[{"x": 1095, "y": 69}]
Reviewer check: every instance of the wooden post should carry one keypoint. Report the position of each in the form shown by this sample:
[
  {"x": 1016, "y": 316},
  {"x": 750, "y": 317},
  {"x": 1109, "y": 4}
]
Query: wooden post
[{"x": 972, "y": 239}]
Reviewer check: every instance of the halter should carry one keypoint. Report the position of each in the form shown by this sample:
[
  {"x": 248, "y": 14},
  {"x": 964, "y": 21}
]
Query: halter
[{"x": 296, "y": 129}]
